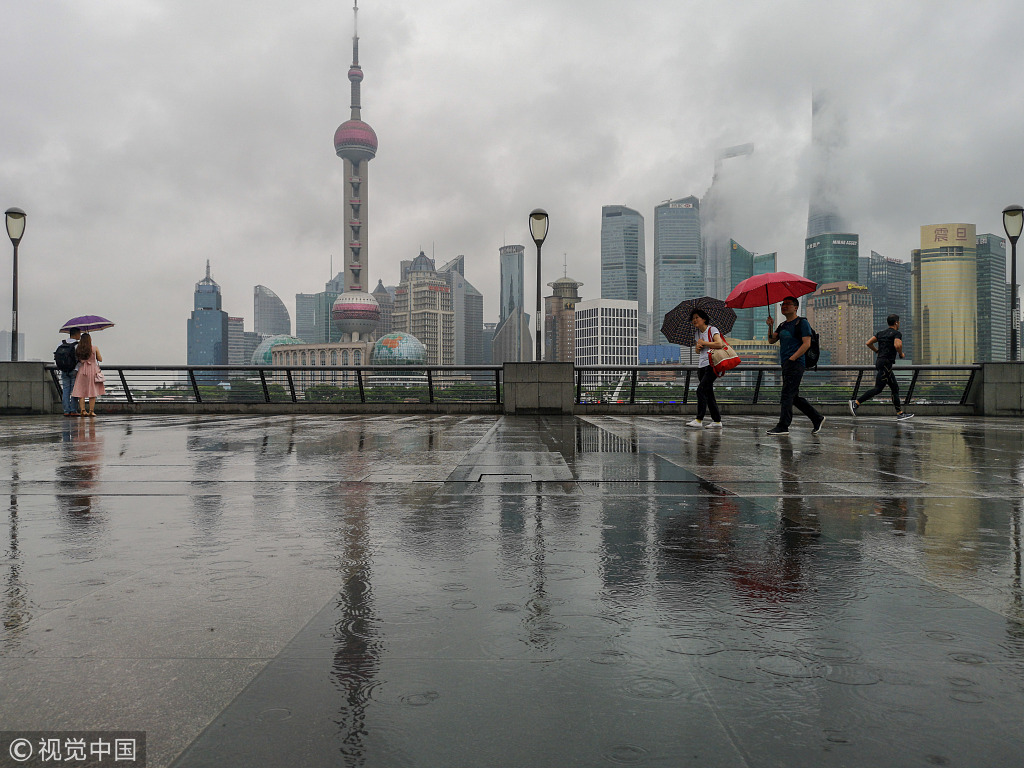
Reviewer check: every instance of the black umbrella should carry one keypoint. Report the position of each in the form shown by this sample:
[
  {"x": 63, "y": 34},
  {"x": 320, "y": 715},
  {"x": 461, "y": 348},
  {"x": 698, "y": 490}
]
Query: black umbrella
[{"x": 678, "y": 329}]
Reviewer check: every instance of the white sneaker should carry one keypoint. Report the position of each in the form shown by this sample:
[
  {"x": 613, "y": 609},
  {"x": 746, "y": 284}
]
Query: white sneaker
[
  {"x": 714, "y": 425},
  {"x": 694, "y": 423}
]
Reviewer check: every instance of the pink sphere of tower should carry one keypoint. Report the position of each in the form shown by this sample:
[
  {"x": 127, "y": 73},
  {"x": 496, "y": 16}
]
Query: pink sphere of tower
[
  {"x": 356, "y": 312},
  {"x": 355, "y": 140}
]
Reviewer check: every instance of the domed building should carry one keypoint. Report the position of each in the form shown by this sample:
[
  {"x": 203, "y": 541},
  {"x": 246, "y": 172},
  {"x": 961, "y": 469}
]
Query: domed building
[
  {"x": 398, "y": 348},
  {"x": 264, "y": 354}
]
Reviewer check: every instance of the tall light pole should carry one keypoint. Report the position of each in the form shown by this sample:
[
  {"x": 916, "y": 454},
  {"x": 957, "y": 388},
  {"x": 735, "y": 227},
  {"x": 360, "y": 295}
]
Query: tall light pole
[
  {"x": 538, "y": 231},
  {"x": 1013, "y": 220},
  {"x": 15, "y": 229}
]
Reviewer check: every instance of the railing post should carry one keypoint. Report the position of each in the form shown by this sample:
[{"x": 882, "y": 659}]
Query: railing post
[
  {"x": 430, "y": 385},
  {"x": 757, "y": 385},
  {"x": 632, "y": 388},
  {"x": 263, "y": 381},
  {"x": 579, "y": 386},
  {"x": 910, "y": 390},
  {"x": 291, "y": 385},
  {"x": 686, "y": 388},
  {"x": 359, "y": 378},
  {"x": 967, "y": 388},
  {"x": 57, "y": 381},
  {"x": 195, "y": 386},
  {"x": 124, "y": 383},
  {"x": 497, "y": 386},
  {"x": 856, "y": 387}
]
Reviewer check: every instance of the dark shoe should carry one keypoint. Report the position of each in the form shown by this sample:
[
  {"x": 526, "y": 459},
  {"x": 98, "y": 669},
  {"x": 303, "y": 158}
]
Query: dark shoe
[
  {"x": 817, "y": 426},
  {"x": 854, "y": 405},
  {"x": 777, "y": 431},
  {"x": 904, "y": 416}
]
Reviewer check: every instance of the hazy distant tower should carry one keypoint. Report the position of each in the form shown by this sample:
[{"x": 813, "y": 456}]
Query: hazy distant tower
[
  {"x": 356, "y": 312},
  {"x": 828, "y": 139}
]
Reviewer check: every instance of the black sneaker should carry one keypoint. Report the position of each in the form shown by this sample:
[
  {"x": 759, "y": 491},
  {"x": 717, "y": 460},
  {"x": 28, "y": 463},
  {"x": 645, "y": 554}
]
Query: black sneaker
[
  {"x": 904, "y": 416},
  {"x": 777, "y": 431},
  {"x": 817, "y": 427},
  {"x": 854, "y": 405}
]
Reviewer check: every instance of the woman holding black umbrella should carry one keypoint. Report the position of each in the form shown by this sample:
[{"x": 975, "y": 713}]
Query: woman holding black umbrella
[{"x": 708, "y": 337}]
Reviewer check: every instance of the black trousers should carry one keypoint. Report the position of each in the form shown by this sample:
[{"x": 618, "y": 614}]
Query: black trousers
[
  {"x": 792, "y": 373},
  {"x": 884, "y": 377},
  {"x": 706, "y": 394}
]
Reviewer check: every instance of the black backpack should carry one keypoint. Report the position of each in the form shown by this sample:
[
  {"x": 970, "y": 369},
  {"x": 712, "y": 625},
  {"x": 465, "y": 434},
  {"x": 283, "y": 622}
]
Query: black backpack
[
  {"x": 811, "y": 355},
  {"x": 64, "y": 356}
]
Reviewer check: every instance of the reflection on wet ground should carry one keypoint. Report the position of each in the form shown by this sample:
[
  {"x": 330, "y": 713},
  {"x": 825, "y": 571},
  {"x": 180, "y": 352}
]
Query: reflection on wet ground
[{"x": 449, "y": 590}]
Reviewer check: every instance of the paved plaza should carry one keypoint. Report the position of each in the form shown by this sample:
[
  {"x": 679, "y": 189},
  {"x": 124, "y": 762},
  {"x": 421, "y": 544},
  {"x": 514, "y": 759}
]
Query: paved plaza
[{"x": 517, "y": 591}]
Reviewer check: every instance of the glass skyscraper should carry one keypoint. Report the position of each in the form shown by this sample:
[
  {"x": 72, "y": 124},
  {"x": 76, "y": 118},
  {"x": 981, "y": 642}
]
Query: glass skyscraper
[
  {"x": 889, "y": 282},
  {"x": 512, "y": 277},
  {"x": 269, "y": 313},
  {"x": 623, "y": 266},
  {"x": 945, "y": 290},
  {"x": 993, "y": 306},
  {"x": 208, "y": 326},
  {"x": 832, "y": 258},
  {"x": 678, "y": 252},
  {"x": 743, "y": 264}
]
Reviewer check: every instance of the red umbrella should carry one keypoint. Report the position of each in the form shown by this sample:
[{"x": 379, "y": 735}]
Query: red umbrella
[{"x": 765, "y": 290}]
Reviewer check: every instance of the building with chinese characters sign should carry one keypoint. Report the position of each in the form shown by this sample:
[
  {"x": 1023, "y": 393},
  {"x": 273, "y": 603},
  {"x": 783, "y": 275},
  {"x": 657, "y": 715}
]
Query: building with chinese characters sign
[{"x": 945, "y": 286}]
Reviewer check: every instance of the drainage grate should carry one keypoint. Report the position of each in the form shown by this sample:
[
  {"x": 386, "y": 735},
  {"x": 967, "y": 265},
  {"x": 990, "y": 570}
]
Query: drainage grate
[{"x": 484, "y": 478}]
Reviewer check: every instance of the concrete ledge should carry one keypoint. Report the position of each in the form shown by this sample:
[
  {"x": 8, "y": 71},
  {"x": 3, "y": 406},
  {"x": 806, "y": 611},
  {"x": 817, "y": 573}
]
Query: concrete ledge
[
  {"x": 27, "y": 389},
  {"x": 539, "y": 388},
  {"x": 273, "y": 409}
]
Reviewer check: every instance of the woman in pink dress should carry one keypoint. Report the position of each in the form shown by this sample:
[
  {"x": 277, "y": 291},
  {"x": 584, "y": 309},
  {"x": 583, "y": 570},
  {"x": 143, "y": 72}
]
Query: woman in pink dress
[{"x": 89, "y": 381}]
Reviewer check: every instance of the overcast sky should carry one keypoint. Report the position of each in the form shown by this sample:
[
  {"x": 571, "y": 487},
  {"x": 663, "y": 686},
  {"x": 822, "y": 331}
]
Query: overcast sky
[{"x": 144, "y": 137}]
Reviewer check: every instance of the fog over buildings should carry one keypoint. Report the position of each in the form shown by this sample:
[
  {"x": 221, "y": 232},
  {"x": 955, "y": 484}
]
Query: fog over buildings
[{"x": 143, "y": 143}]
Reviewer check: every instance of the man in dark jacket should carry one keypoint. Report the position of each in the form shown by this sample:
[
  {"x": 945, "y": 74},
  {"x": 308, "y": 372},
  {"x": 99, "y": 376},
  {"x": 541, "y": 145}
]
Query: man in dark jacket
[
  {"x": 886, "y": 345},
  {"x": 794, "y": 336}
]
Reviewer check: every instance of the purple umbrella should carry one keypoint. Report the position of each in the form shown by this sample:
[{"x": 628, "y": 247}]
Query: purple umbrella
[{"x": 87, "y": 324}]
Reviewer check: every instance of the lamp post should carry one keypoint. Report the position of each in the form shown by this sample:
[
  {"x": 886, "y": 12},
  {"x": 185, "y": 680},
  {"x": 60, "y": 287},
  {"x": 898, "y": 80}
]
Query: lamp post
[
  {"x": 1013, "y": 220},
  {"x": 15, "y": 229},
  {"x": 538, "y": 231}
]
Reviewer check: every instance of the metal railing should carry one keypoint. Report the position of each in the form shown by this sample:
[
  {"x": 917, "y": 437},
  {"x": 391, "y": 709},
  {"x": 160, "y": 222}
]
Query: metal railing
[
  {"x": 300, "y": 384},
  {"x": 753, "y": 384}
]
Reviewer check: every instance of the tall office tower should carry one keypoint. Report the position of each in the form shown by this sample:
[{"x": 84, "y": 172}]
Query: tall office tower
[
  {"x": 828, "y": 140},
  {"x": 623, "y": 266},
  {"x": 423, "y": 307},
  {"x": 945, "y": 289},
  {"x": 842, "y": 314},
  {"x": 512, "y": 277},
  {"x": 305, "y": 317},
  {"x": 250, "y": 341},
  {"x": 993, "y": 307},
  {"x": 606, "y": 333},
  {"x": 720, "y": 218},
  {"x": 208, "y": 326},
  {"x": 560, "y": 320},
  {"x": 236, "y": 341},
  {"x": 832, "y": 258},
  {"x": 387, "y": 308},
  {"x": 889, "y": 282},
  {"x": 270, "y": 316},
  {"x": 743, "y": 264},
  {"x": 468, "y": 306},
  {"x": 678, "y": 263},
  {"x": 486, "y": 340}
]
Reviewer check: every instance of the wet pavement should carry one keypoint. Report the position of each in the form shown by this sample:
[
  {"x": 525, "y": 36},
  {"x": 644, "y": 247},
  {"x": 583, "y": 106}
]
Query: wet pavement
[{"x": 488, "y": 591}]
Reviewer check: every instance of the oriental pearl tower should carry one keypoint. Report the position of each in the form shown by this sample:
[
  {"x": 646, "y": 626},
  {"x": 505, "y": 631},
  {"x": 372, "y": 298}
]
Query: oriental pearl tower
[{"x": 356, "y": 313}]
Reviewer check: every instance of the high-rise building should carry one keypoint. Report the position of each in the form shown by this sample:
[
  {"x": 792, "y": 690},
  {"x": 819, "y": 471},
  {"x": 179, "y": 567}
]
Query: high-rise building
[
  {"x": 208, "y": 326},
  {"x": 474, "y": 326},
  {"x": 305, "y": 317},
  {"x": 468, "y": 308},
  {"x": 623, "y": 266},
  {"x": 993, "y": 307},
  {"x": 744, "y": 264},
  {"x": 889, "y": 282},
  {"x": 236, "y": 341},
  {"x": 678, "y": 265},
  {"x": 828, "y": 140},
  {"x": 387, "y": 308},
  {"x": 945, "y": 289},
  {"x": 560, "y": 320},
  {"x": 832, "y": 257},
  {"x": 423, "y": 308},
  {"x": 486, "y": 342},
  {"x": 270, "y": 316},
  {"x": 512, "y": 279},
  {"x": 720, "y": 218},
  {"x": 606, "y": 332},
  {"x": 842, "y": 314}
]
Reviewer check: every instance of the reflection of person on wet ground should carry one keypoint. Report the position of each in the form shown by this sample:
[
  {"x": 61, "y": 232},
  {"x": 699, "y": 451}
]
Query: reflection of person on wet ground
[{"x": 79, "y": 470}]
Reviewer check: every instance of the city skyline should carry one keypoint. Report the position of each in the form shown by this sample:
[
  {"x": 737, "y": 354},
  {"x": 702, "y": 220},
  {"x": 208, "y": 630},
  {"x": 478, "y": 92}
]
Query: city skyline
[{"x": 174, "y": 145}]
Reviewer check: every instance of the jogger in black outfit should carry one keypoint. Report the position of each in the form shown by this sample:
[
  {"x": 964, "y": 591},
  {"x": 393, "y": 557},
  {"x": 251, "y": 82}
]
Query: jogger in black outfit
[{"x": 886, "y": 345}]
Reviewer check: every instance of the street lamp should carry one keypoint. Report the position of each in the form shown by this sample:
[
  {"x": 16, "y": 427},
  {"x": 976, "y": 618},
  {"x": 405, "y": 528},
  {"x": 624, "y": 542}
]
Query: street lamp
[
  {"x": 1013, "y": 220},
  {"x": 538, "y": 231},
  {"x": 15, "y": 229}
]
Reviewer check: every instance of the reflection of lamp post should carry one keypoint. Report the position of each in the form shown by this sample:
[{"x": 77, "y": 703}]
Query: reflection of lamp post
[
  {"x": 15, "y": 229},
  {"x": 538, "y": 231},
  {"x": 1013, "y": 219}
]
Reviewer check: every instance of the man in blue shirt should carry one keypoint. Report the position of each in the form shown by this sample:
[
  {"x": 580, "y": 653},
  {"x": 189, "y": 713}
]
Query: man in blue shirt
[{"x": 794, "y": 337}]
